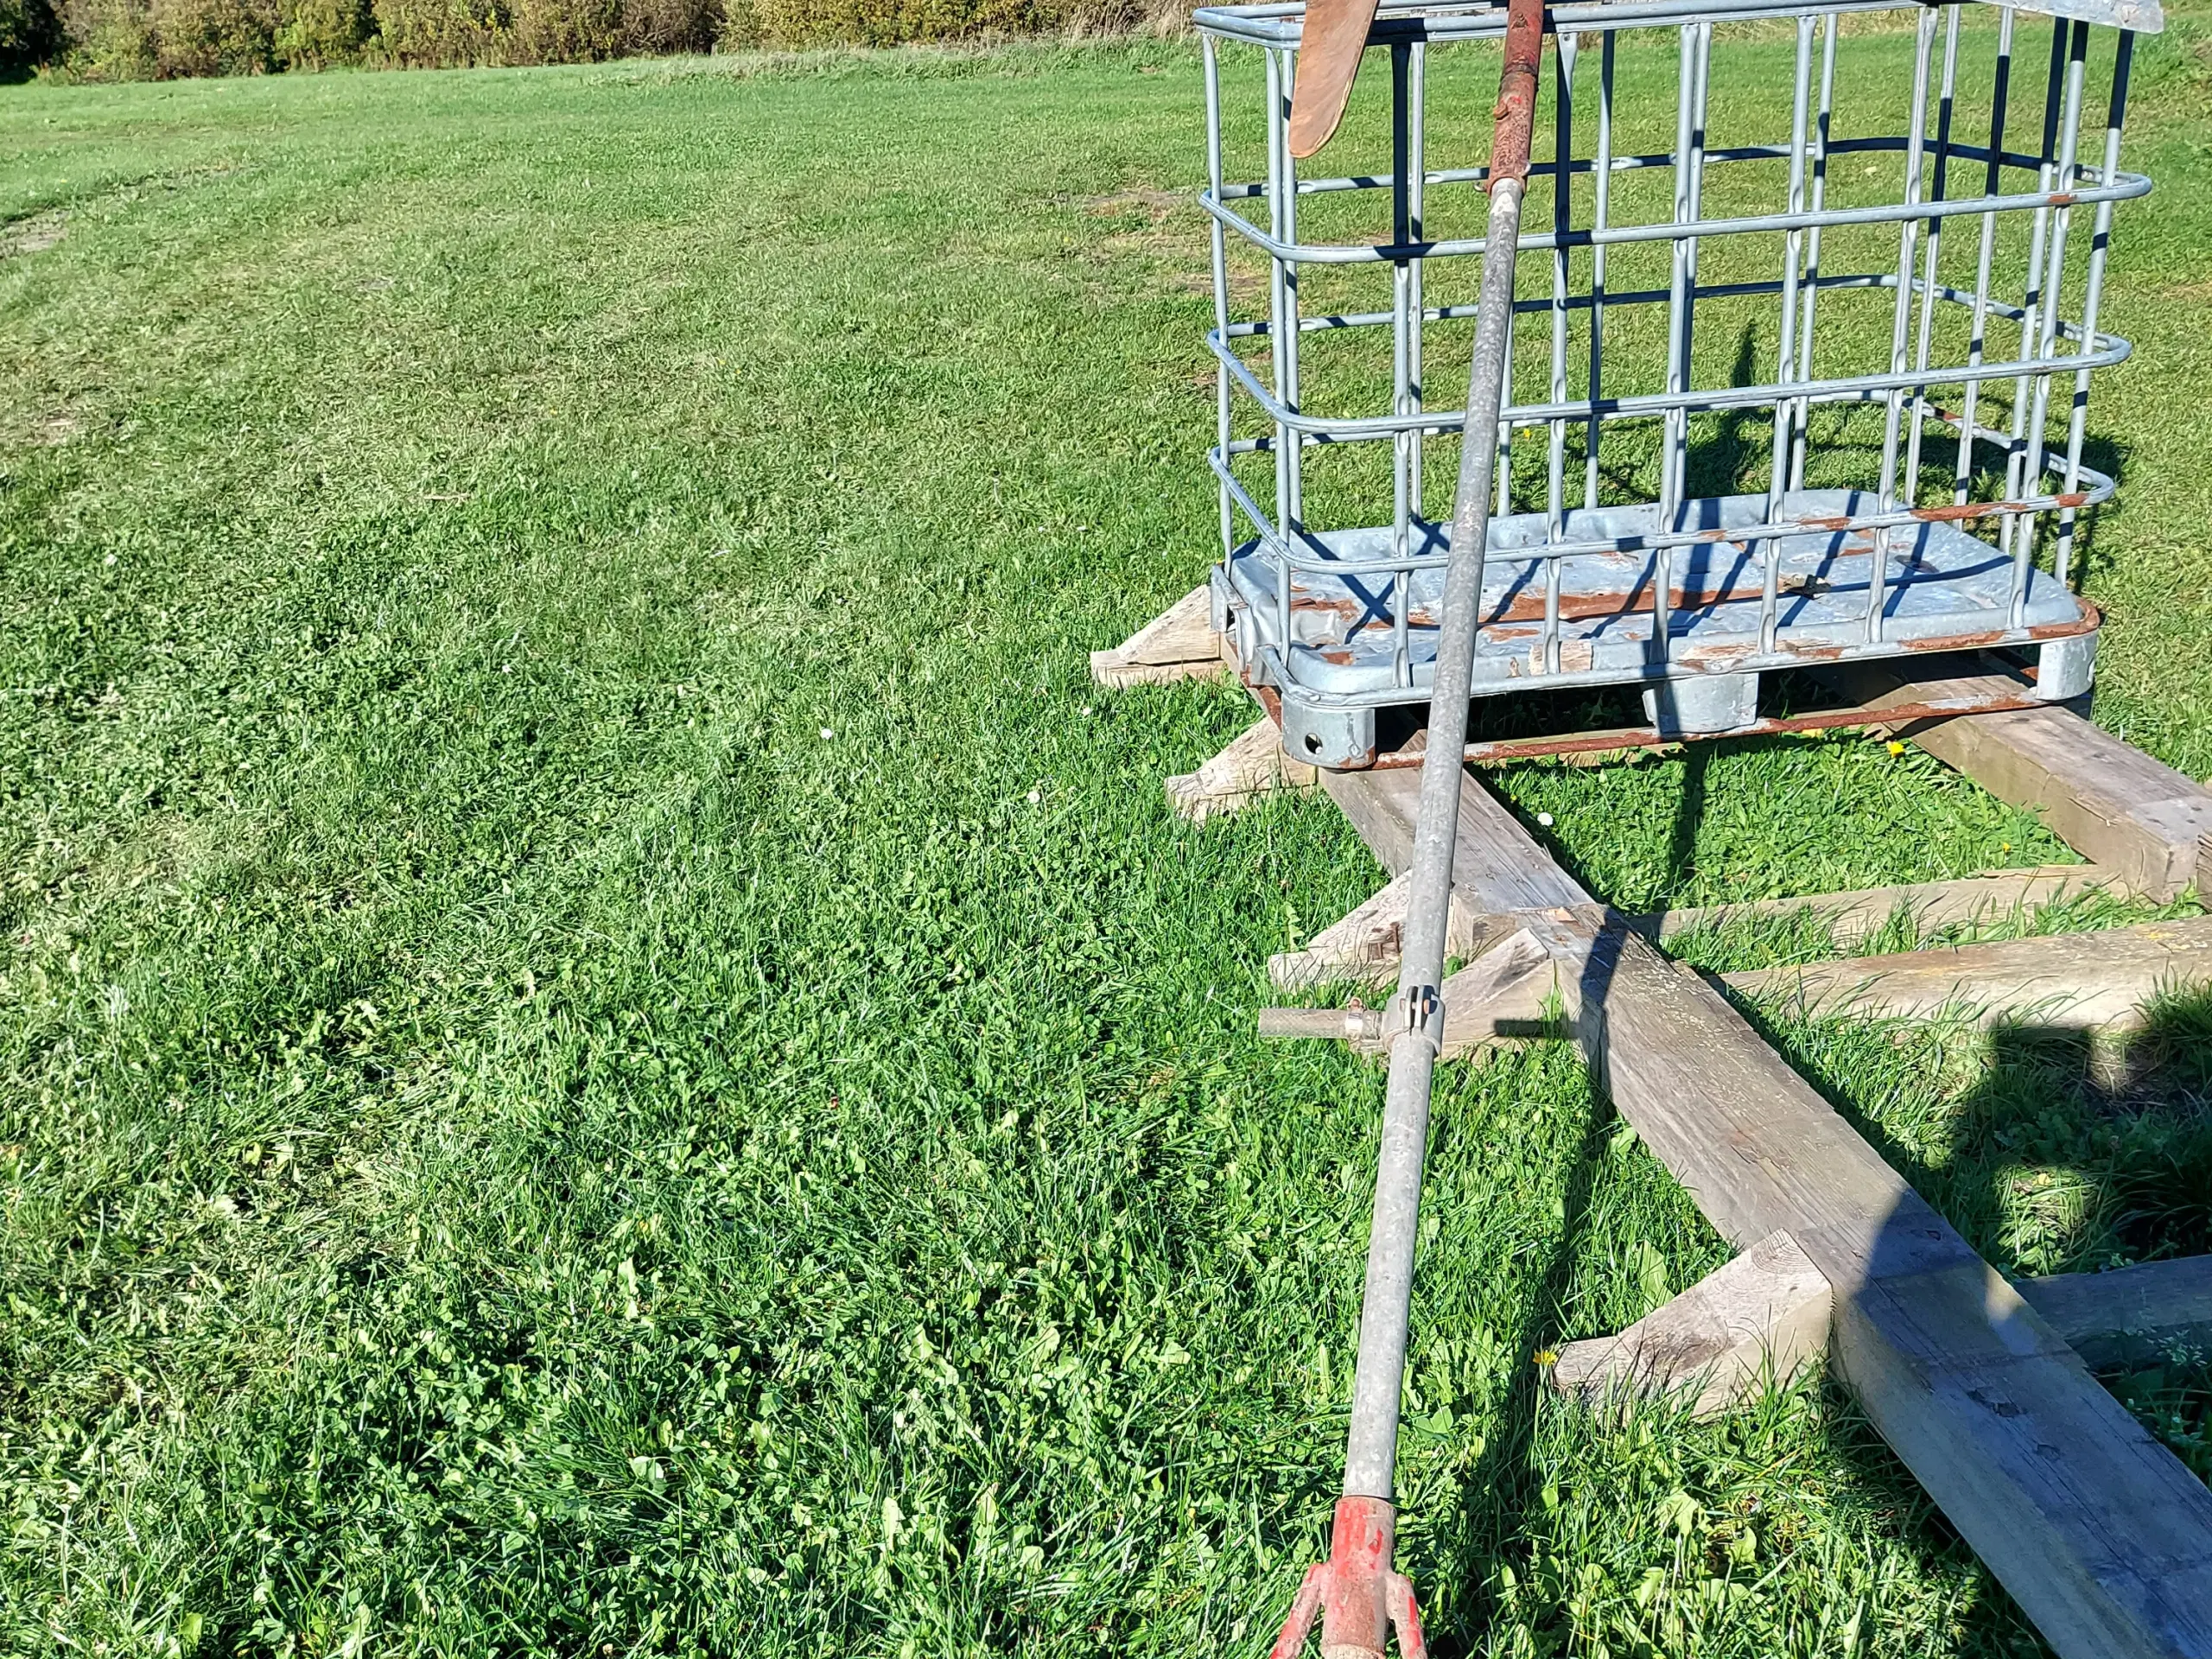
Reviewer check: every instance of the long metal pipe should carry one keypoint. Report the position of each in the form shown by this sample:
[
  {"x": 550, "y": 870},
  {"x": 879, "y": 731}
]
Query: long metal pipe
[
  {"x": 1415, "y": 1032},
  {"x": 1357, "y": 1592},
  {"x": 1417, "y": 1023}
]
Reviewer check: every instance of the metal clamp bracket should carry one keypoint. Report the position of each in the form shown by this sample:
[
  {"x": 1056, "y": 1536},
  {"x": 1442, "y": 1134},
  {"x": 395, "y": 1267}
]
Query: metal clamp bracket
[{"x": 1417, "y": 1012}]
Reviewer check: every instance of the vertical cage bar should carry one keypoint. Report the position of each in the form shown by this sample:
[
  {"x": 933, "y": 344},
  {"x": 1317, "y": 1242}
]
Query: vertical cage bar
[
  {"x": 1222, "y": 406},
  {"x": 2015, "y": 535},
  {"x": 1563, "y": 64},
  {"x": 1690, "y": 159},
  {"x": 1279, "y": 329},
  {"x": 1786, "y": 351},
  {"x": 1969, "y": 416},
  {"x": 1945, "y": 98},
  {"x": 1403, "y": 507},
  {"x": 2054, "y": 283},
  {"x": 1900, "y": 321},
  {"x": 1293, "y": 453},
  {"x": 1601, "y": 173},
  {"x": 1417, "y": 199},
  {"x": 1802, "y": 443},
  {"x": 2093, "y": 292}
]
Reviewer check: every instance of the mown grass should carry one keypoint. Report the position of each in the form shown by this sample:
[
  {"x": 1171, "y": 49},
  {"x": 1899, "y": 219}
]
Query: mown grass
[{"x": 605, "y": 1048}]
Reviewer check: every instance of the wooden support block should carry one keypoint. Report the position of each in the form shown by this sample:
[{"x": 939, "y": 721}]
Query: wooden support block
[
  {"x": 2101, "y": 1533},
  {"x": 2068, "y": 981},
  {"x": 1723, "y": 1340},
  {"x": 1179, "y": 644},
  {"x": 2107, "y": 800},
  {"x": 1363, "y": 945},
  {"x": 1849, "y": 917},
  {"x": 1252, "y": 765},
  {"x": 2130, "y": 1315}
]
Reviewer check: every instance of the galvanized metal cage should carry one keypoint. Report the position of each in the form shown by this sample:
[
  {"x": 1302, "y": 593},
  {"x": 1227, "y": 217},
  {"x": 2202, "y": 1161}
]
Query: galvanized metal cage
[{"x": 1804, "y": 377}]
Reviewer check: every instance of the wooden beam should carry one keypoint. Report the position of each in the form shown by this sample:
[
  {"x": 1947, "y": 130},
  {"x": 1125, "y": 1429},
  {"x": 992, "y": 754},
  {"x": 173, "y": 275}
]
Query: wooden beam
[
  {"x": 1179, "y": 644},
  {"x": 2069, "y": 981},
  {"x": 2129, "y": 1315},
  {"x": 1362, "y": 946},
  {"x": 2107, "y": 800},
  {"x": 1382, "y": 806},
  {"x": 1974, "y": 900},
  {"x": 1252, "y": 765},
  {"x": 1735, "y": 1332},
  {"x": 1753, "y": 1323},
  {"x": 2100, "y": 1533}
]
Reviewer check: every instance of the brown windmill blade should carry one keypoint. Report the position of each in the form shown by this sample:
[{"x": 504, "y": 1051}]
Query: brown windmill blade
[{"x": 1335, "y": 34}]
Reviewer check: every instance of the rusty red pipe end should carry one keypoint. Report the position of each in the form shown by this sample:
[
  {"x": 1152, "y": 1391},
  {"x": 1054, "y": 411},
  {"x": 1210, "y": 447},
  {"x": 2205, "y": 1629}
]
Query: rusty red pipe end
[{"x": 1358, "y": 1596}]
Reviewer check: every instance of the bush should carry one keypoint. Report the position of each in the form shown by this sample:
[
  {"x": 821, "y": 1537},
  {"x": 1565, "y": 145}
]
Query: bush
[
  {"x": 214, "y": 37},
  {"x": 124, "y": 39},
  {"x": 671, "y": 25},
  {"x": 29, "y": 35},
  {"x": 565, "y": 31},
  {"x": 323, "y": 33},
  {"x": 107, "y": 39},
  {"x": 892, "y": 23},
  {"x": 440, "y": 34}
]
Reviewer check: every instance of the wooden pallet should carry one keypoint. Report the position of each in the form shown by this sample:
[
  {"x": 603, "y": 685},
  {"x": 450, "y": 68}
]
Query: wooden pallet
[{"x": 1981, "y": 1385}]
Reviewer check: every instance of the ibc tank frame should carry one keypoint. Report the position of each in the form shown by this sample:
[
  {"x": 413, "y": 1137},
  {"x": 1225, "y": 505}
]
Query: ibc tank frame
[{"x": 1608, "y": 562}]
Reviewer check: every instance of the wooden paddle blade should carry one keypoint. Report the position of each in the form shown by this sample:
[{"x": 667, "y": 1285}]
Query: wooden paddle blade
[{"x": 1335, "y": 34}]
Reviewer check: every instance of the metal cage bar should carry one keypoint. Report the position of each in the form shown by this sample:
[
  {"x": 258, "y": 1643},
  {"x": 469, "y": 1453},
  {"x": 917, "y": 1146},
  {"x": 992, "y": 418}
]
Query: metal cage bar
[{"x": 1830, "y": 552}]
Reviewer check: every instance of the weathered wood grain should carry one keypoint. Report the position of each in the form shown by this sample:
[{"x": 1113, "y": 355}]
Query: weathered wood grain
[
  {"x": 1751, "y": 1323},
  {"x": 2129, "y": 1315},
  {"x": 1974, "y": 900},
  {"x": 1252, "y": 765},
  {"x": 2070, "y": 981},
  {"x": 1179, "y": 644},
  {"x": 1363, "y": 945}
]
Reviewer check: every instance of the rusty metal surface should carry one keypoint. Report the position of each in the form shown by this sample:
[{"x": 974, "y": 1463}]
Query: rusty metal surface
[
  {"x": 1615, "y": 740},
  {"x": 1602, "y": 581}
]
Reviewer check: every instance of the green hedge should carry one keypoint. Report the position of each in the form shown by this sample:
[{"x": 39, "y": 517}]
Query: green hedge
[{"x": 130, "y": 40}]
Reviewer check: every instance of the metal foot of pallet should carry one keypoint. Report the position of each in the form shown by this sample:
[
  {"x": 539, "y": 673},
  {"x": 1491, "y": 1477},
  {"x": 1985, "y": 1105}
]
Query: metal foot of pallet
[{"x": 1982, "y": 1388}]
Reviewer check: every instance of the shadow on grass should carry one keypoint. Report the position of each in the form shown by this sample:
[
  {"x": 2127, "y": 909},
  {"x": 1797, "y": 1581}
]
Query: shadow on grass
[{"x": 1499, "y": 1493}]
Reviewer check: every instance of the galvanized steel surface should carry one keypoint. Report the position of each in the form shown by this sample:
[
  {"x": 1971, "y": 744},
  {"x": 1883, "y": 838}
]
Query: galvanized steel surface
[{"x": 1602, "y": 580}]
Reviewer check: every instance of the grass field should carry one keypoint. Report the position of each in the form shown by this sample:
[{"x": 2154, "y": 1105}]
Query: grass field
[{"x": 606, "y": 1049}]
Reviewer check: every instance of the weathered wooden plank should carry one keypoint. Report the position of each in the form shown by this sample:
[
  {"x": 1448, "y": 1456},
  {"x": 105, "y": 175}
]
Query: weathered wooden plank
[
  {"x": 1974, "y": 900},
  {"x": 2074, "y": 981},
  {"x": 2099, "y": 1532},
  {"x": 1382, "y": 806},
  {"x": 1724, "y": 1338},
  {"x": 1179, "y": 644},
  {"x": 1362, "y": 946},
  {"x": 2129, "y": 1315},
  {"x": 2107, "y": 800},
  {"x": 1252, "y": 765},
  {"x": 1752, "y": 1323}
]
